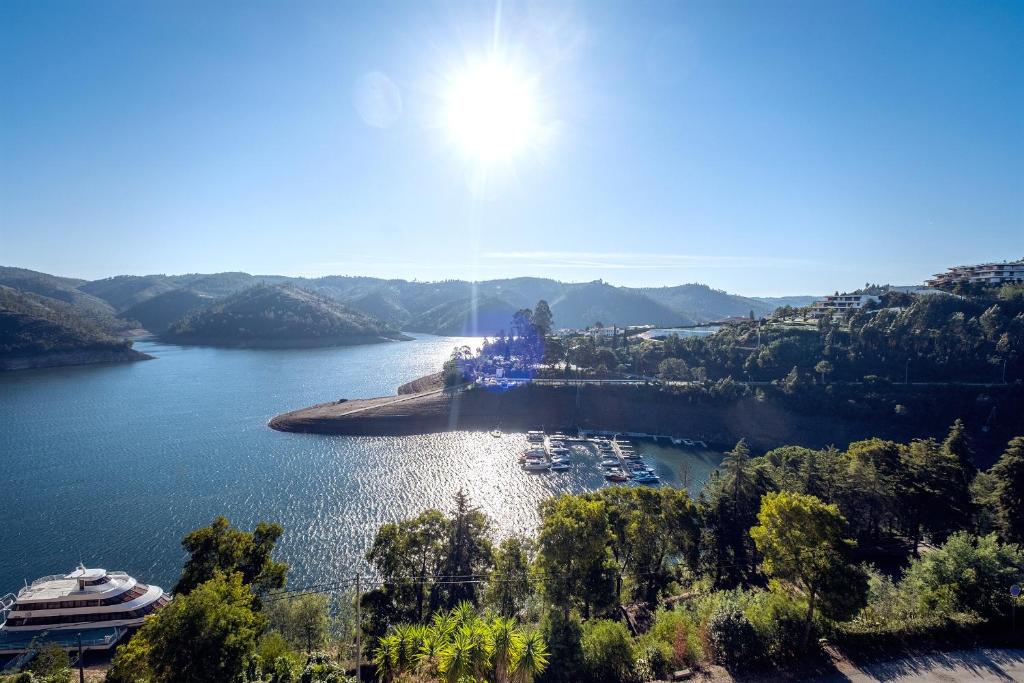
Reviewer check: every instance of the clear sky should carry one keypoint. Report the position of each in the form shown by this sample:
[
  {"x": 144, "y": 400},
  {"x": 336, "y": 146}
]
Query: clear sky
[{"x": 760, "y": 147}]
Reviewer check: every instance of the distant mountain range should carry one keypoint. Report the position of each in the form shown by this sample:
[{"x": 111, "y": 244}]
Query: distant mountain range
[{"x": 450, "y": 307}]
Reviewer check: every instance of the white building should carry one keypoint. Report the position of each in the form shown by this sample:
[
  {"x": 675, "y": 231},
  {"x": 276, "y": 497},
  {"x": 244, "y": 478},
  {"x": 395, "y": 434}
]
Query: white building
[
  {"x": 840, "y": 303},
  {"x": 985, "y": 273}
]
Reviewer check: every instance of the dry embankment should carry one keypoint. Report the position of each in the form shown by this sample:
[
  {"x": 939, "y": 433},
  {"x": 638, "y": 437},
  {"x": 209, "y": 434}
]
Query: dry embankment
[{"x": 764, "y": 423}]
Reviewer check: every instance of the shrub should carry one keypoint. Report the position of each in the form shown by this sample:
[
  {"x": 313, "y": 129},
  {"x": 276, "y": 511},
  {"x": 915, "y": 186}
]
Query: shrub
[
  {"x": 779, "y": 621},
  {"x": 966, "y": 575},
  {"x": 732, "y": 638},
  {"x": 608, "y": 652},
  {"x": 563, "y": 636}
]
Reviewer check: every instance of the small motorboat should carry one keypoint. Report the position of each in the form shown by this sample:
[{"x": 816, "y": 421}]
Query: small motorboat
[
  {"x": 609, "y": 463},
  {"x": 496, "y": 433},
  {"x": 535, "y": 465},
  {"x": 619, "y": 476},
  {"x": 688, "y": 443},
  {"x": 559, "y": 466}
]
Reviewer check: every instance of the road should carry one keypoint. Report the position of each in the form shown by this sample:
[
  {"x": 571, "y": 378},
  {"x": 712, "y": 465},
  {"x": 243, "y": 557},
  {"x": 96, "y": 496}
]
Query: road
[{"x": 941, "y": 667}]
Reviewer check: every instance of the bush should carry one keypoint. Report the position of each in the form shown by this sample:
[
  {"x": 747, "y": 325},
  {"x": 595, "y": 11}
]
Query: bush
[
  {"x": 608, "y": 652},
  {"x": 564, "y": 636},
  {"x": 966, "y": 575},
  {"x": 732, "y": 638},
  {"x": 779, "y": 622}
]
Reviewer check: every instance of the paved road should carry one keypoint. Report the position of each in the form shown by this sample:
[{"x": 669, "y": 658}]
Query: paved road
[{"x": 961, "y": 665}]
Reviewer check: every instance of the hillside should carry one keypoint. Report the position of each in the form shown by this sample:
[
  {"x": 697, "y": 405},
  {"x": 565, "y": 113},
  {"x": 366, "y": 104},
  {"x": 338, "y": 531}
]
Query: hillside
[
  {"x": 158, "y": 313},
  {"x": 278, "y": 316},
  {"x": 38, "y": 331},
  {"x": 444, "y": 307},
  {"x": 66, "y": 290}
]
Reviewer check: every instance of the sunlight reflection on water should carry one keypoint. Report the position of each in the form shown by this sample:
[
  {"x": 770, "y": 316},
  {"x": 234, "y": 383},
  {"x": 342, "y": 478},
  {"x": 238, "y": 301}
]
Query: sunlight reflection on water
[{"x": 112, "y": 465}]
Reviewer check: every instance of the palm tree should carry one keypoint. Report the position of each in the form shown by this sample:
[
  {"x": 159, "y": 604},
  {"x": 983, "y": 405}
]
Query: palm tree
[
  {"x": 530, "y": 659},
  {"x": 385, "y": 658},
  {"x": 458, "y": 658},
  {"x": 505, "y": 643}
]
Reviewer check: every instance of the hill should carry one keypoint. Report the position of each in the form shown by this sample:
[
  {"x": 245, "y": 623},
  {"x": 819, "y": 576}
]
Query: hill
[
  {"x": 38, "y": 331},
  {"x": 444, "y": 307},
  {"x": 66, "y": 290},
  {"x": 158, "y": 313},
  {"x": 278, "y": 316}
]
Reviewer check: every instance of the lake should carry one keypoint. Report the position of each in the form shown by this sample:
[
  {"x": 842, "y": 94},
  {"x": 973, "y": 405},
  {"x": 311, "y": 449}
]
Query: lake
[{"x": 111, "y": 465}]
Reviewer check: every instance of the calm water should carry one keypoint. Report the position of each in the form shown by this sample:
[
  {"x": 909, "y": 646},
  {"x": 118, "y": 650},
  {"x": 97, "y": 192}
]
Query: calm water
[{"x": 111, "y": 465}]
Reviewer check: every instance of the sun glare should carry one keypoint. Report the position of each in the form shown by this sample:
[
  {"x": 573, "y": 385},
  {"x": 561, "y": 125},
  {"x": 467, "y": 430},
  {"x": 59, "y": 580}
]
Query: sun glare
[{"x": 491, "y": 112}]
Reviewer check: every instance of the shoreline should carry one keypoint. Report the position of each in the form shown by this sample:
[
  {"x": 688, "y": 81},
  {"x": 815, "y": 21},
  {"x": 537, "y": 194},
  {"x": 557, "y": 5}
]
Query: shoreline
[
  {"x": 61, "y": 359},
  {"x": 765, "y": 424}
]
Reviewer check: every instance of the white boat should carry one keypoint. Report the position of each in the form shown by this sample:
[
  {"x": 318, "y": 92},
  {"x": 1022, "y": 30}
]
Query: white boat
[
  {"x": 534, "y": 436},
  {"x": 535, "y": 465},
  {"x": 559, "y": 466},
  {"x": 99, "y": 604},
  {"x": 496, "y": 433}
]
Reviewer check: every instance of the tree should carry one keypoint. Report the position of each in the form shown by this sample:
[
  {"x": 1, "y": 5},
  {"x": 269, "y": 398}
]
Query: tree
[
  {"x": 967, "y": 574},
  {"x": 221, "y": 548},
  {"x": 933, "y": 490},
  {"x": 801, "y": 539},
  {"x": 205, "y": 636},
  {"x": 823, "y": 368},
  {"x": 729, "y": 505},
  {"x": 573, "y": 554},
  {"x": 509, "y": 588},
  {"x": 303, "y": 620},
  {"x": 468, "y": 554},
  {"x": 410, "y": 548},
  {"x": 542, "y": 318},
  {"x": 1008, "y": 491},
  {"x": 51, "y": 664}
]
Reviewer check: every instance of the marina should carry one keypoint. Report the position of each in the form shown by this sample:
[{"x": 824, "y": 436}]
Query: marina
[{"x": 616, "y": 455}]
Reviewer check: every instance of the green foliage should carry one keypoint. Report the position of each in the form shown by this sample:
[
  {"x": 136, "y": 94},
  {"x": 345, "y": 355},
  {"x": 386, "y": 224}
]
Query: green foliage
[
  {"x": 607, "y": 652},
  {"x": 1007, "y": 498},
  {"x": 50, "y": 665},
  {"x": 564, "y": 634},
  {"x": 510, "y": 588},
  {"x": 966, "y": 575},
  {"x": 303, "y": 620},
  {"x": 206, "y": 636},
  {"x": 573, "y": 553},
  {"x": 732, "y": 638},
  {"x": 221, "y": 549},
  {"x": 461, "y": 645},
  {"x": 801, "y": 540}
]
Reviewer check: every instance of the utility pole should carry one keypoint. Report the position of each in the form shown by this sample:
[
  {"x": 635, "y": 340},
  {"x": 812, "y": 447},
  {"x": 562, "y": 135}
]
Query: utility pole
[
  {"x": 81, "y": 662},
  {"x": 359, "y": 632}
]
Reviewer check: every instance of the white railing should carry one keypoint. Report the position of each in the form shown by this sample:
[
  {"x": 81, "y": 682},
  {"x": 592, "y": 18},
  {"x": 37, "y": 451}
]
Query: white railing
[{"x": 6, "y": 604}]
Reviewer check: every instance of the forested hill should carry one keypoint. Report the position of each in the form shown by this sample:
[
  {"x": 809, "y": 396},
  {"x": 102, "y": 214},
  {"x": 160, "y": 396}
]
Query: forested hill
[
  {"x": 278, "y": 316},
  {"x": 39, "y": 331},
  {"x": 447, "y": 307}
]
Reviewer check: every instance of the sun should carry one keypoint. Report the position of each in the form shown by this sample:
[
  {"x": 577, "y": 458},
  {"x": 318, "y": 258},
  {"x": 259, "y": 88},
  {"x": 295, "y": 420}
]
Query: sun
[{"x": 491, "y": 112}]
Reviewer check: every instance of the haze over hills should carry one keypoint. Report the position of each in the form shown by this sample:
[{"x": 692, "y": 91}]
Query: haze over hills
[
  {"x": 450, "y": 307},
  {"x": 278, "y": 316}
]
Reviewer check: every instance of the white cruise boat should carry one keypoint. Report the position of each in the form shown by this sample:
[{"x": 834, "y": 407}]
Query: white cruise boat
[{"x": 99, "y": 605}]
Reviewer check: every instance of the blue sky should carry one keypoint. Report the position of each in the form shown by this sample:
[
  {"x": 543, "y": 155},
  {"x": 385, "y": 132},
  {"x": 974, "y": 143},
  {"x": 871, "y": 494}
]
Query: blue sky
[{"x": 760, "y": 147}]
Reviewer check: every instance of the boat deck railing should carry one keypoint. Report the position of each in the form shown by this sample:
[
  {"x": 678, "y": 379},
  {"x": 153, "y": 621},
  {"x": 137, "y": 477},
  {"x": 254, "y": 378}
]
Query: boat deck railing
[{"x": 6, "y": 605}]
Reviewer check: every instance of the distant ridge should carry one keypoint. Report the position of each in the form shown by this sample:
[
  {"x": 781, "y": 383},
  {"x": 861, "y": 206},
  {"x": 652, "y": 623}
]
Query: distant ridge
[{"x": 454, "y": 307}]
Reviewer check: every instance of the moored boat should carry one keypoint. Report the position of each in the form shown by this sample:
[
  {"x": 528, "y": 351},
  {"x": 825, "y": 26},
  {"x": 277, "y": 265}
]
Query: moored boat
[{"x": 100, "y": 605}]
